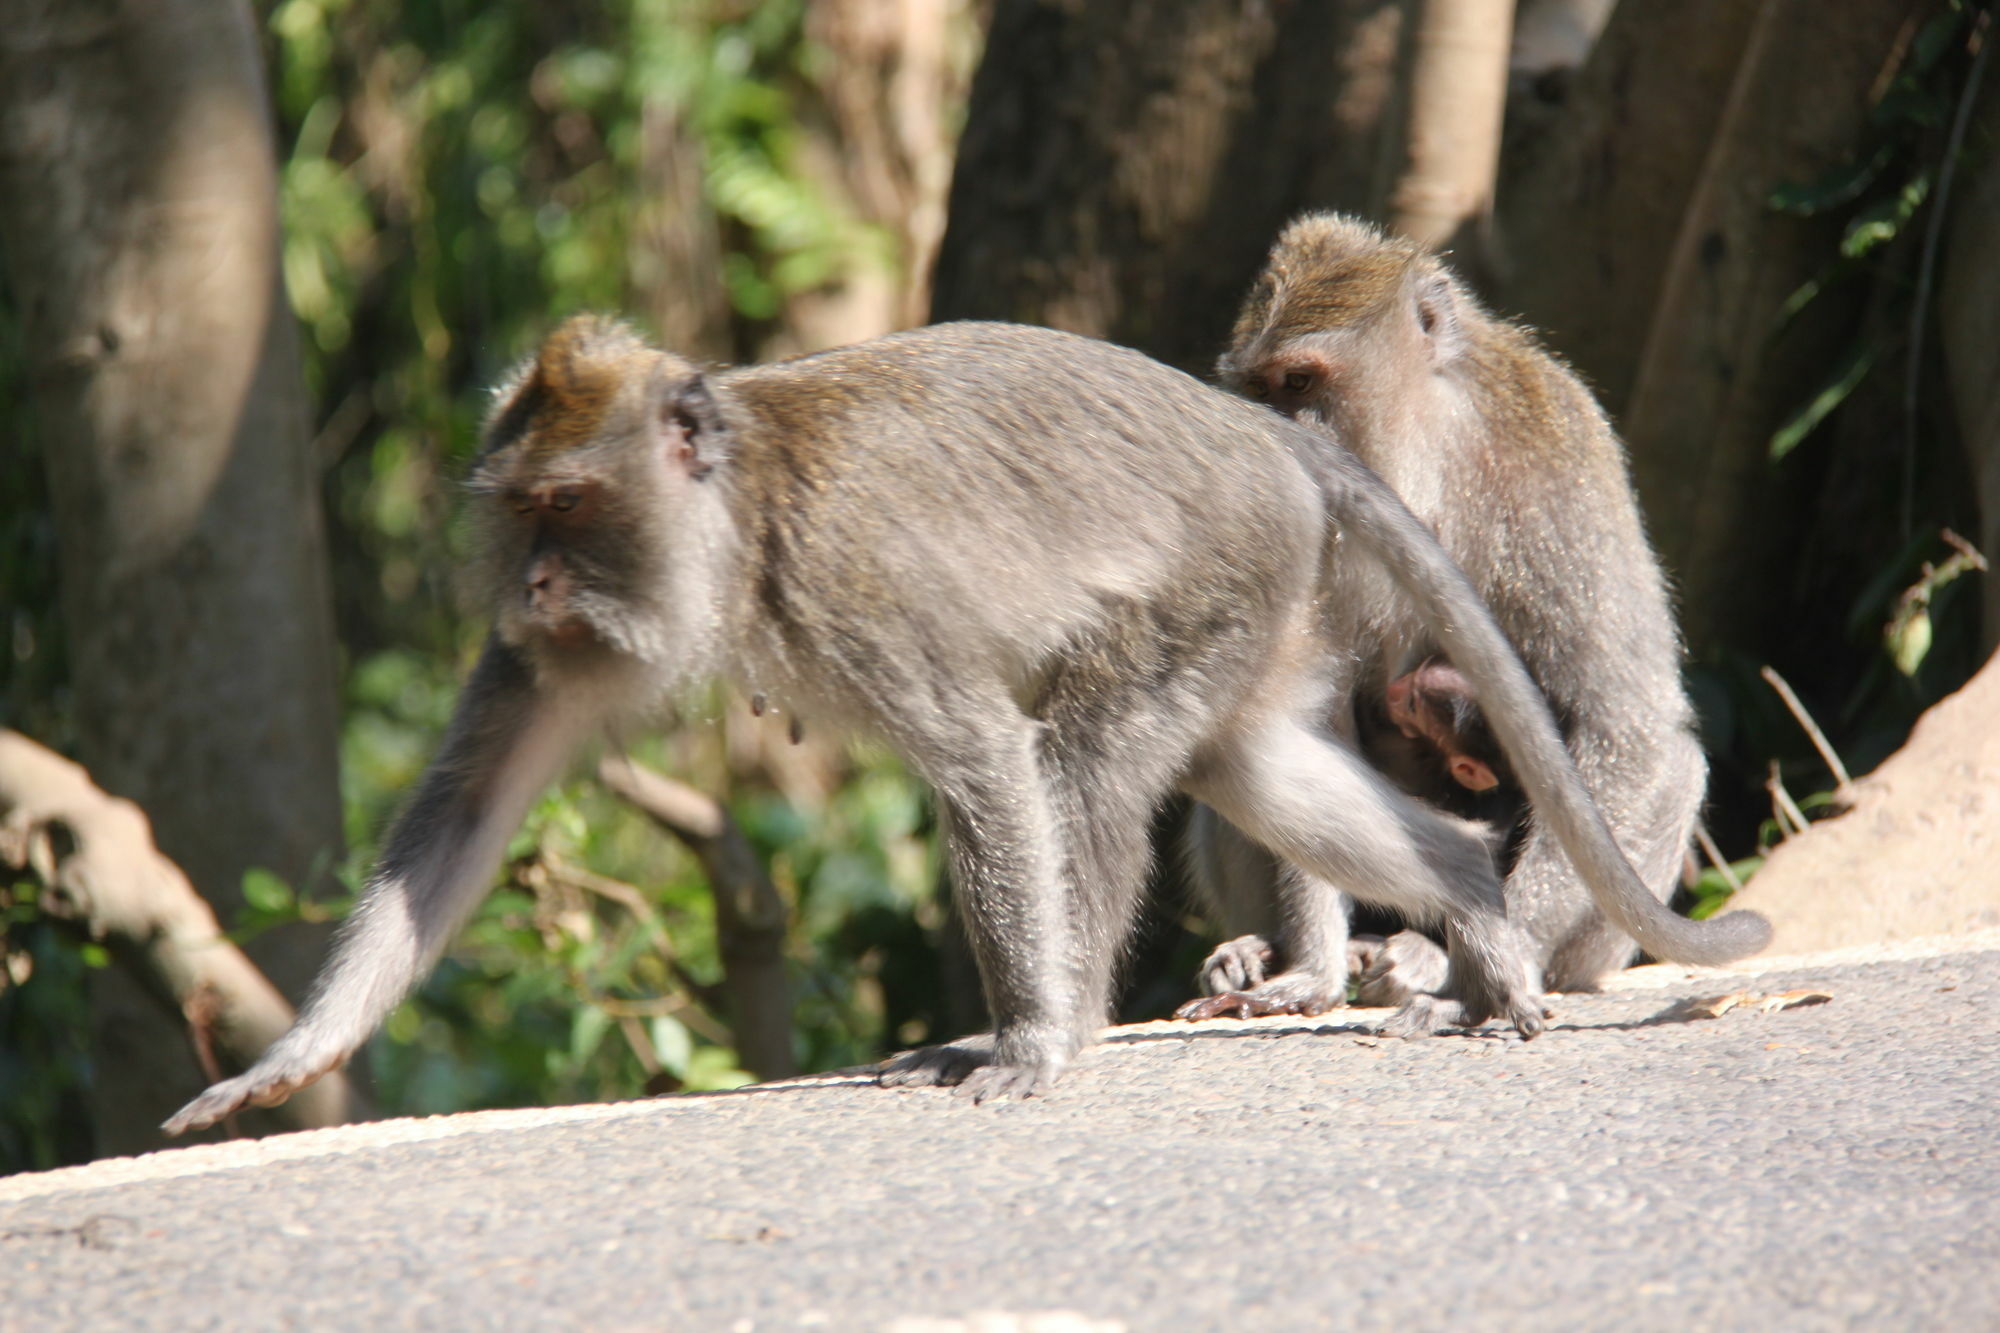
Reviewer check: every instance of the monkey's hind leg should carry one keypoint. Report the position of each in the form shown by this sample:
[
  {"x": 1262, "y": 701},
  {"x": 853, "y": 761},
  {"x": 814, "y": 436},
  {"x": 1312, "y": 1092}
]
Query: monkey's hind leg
[{"x": 1320, "y": 806}]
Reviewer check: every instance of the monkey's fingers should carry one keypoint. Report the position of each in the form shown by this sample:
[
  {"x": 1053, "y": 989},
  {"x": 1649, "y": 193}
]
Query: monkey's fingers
[
  {"x": 1250, "y": 1004},
  {"x": 1238, "y": 965},
  {"x": 1423, "y": 1015},
  {"x": 1229, "y": 1004},
  {"x": 258, "y": 1087}
]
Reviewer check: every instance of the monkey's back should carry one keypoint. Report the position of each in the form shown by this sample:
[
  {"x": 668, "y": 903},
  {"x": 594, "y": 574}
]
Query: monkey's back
[{"x": 1060, "y": 493}]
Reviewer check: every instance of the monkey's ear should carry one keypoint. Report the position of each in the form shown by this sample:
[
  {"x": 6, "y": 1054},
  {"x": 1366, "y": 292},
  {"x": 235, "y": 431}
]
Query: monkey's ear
[
  {"x": 1471, "y": 774},
  {"x": 690, "y": 425},
  {"x": 1437, "y": 308}
]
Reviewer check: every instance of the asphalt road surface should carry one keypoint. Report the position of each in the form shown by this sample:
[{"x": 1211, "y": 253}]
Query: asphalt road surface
[{"x": 1832, "y": 1164}]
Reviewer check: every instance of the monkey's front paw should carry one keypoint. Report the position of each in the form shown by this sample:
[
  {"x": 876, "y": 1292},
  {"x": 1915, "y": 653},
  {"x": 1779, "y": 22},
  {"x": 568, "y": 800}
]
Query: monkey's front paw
[
  {"x": 1401, "y": 968},
  {"x": 938, "y": 1066},
  {"x": 998, "y": 1083},
  {"x": 1240, "y": 964},
  {"x": 1421, "y": 1015}
]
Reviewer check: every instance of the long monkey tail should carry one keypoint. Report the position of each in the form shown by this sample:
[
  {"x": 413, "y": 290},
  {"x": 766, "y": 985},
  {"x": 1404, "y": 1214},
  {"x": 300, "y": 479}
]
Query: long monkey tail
[{"x": 1362, "y": 506}]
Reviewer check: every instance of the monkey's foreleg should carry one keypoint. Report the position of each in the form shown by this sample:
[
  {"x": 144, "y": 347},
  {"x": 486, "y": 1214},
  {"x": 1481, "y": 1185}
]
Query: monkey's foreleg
[
  {"x": 506, "y": 742},
  {"x": 1006, "y": 861}
]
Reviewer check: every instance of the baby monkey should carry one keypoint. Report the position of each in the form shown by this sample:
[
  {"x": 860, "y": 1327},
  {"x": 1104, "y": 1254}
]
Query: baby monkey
[{"x": 1436, "y": 743}]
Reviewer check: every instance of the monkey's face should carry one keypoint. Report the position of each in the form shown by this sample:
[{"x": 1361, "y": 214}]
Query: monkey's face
[
  {"x": 1434, "y": 705},
  {"x": 570, "y": 567},
  {"x": 1356, "y": 368},
  {"x": 600, "y": 528}
]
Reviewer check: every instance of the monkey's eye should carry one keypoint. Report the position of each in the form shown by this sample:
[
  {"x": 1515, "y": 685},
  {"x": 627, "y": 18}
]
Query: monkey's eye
[
  {"x": 524, "y": 506},
  {"x": 1258, "y": 389},
  {"x": 1297, "y": 381},
  {"x": 562, "y": 501}
]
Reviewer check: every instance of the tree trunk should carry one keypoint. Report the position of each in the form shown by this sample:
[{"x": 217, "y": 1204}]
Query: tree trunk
[
  {"x": 1454, "y": 95},
  {"x": 1713, "y": 382},
  {"x": 1124, "y": 168},
  {"x": 138, "y": 213},
  {"x": 1588, "y": 211},
  {"x": 1968, "y": 291}
]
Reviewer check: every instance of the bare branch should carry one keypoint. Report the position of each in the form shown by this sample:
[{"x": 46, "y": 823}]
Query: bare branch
[
  {"x": 1716, "y": 859},
  {"x": 105, "y": 874},
  {"x": 750, "y": 913}
]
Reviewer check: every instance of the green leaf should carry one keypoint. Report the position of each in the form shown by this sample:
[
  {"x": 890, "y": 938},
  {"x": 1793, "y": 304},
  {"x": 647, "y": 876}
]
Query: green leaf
[
  {"x": 586, "y": 1032},
  {"x": 1852, "y": 370},
  {"x": 714, "y": 1067},
  {"x": 1840, "y": 184},
  {"x": 266, "y": 892},
  {"x": 1883, "y": 220},
  {"x": 1712, "y": 889}
]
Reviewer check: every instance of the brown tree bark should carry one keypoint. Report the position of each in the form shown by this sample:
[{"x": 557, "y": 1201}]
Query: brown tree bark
[
  {"x": 1641, "y": 239},
  {"x": 1448, "y": 136},
  {"x": 1124, "y": 168},
  {"x": 1588, "y": 210},
  {"x": 1968, "y": 308},
  {"x": 1714, "y": 380},
  {"x": 138, "y": 215}
]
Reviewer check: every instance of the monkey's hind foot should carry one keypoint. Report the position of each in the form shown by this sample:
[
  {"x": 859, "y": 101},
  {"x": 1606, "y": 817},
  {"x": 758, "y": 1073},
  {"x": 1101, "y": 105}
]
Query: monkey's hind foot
[
  {"x": 1240, "y": 965},
  {"x": 969, "y": 1067},
  {"x": 1394, "y": 971},
  {"x": 1290, "y": 993},
  {"x": 1002, "y": 1083},
  {"x": 1422, "y": 1015}
]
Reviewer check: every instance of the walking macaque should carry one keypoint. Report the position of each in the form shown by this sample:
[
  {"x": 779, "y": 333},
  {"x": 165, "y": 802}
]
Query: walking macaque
[
  {"x": 1507, "y": 456},
  {"x": 1061, "y": 579}
]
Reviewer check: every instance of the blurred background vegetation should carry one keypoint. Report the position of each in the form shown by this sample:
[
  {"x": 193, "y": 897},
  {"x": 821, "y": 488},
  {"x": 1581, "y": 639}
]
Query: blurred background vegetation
[{"x": 749, "y": 180}]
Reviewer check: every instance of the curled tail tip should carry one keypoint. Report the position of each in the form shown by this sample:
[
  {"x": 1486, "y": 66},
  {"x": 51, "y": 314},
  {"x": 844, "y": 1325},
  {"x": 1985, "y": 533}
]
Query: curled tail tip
[
  {"x": 1749, "y": 930},
  {"x": 1724, "y": 939}
]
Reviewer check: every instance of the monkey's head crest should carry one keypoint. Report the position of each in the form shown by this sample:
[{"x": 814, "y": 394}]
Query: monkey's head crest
[
  {"x": 1328, "y": 270},
  {"x": 568, "y": 394}
]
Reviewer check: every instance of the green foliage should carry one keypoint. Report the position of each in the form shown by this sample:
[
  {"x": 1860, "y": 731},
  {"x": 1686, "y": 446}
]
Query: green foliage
[
  {"x": 1713, "y": 889},
  {"x": 44, "y": 1035},
  {"x": 1875, "y": 192}
]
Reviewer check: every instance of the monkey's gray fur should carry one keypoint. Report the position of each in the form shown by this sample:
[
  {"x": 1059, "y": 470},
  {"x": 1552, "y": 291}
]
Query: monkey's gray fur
[
  {"x": 1508, "y": 457},
  {"x": 1062, "y": 579}
]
